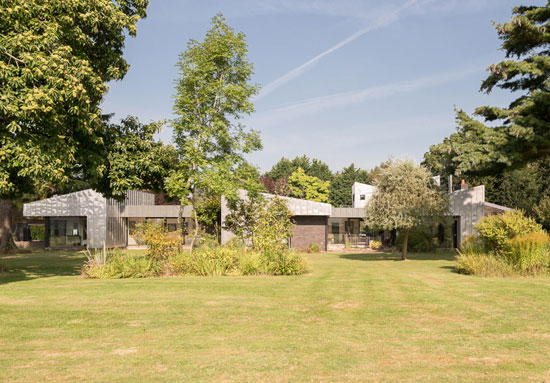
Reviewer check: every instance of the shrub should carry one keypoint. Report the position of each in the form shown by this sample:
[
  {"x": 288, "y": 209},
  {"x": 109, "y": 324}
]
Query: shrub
[
  {"x": 160, "y": 243},
  {"x": 375, "y": 245},
  {"x": 109, "y": 264},
  {"x": 421, "y": 240},
  {"x": 284, "y": 262},
  {"x": 472, "y": 244},
  {"x": 3, "y": 268},
  {"x": 313, "y": 248},
  {"x": 37, "y": 232},
  {"x": 496, "y": 230},
  {"x": 483, "y": 265},
  {"x": 252, "y": 263},
  {"x": 212, "y": 261},
  {"x": 529, "y": 253}
]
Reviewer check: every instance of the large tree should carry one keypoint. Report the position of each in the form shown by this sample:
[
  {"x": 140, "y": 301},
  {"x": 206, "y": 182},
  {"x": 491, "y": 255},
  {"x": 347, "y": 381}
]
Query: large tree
[
  {"x": 213, "y": 92},
  {"x": 308, "y": 187},
  {"x": 312, "y": 167},
  {"x": 405, "y": 197},
  {"x": 55, "y": 60},
  {"x": 520, "y": 133},
  {"x": 340, "y": 187}
]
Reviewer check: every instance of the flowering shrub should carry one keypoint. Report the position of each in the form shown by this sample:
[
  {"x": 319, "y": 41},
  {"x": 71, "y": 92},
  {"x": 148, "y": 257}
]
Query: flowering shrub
[
  {"x": 375, "y": 245},
  {"x": 160, "y": 243}
]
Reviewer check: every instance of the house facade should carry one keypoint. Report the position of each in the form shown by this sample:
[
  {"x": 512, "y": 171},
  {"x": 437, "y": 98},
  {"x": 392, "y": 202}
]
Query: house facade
[{"x": 87, "y": 219}]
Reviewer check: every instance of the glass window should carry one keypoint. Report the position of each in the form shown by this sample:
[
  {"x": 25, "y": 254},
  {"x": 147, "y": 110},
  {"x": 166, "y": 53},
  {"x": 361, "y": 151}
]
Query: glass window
[{"x": 362, "y": 197}]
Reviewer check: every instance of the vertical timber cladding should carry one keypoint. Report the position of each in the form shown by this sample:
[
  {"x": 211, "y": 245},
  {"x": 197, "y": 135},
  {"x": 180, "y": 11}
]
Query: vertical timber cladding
[
  {"x": 117, "y": 226},
  {"x": 309, "y": 230}
]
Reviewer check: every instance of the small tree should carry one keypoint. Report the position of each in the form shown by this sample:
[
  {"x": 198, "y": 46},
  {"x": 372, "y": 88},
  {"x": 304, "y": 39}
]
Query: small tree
[
  {"x": 308, "y": 187},
  {"x": 405, "y": 197},
  {"x": 212, "y": 94},
  {"x": 265, "y": 223}
]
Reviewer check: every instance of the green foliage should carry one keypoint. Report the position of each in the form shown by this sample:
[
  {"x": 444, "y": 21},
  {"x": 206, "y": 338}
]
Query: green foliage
[
  {"x": 110, "y": 264},
  {"x": 133, "y": 159},
  {"x": 496, "y": 230},
  {"x": 405, "y": 197},
  {"x": 375, "y": 245},
  {"x": 340, "y": 186},
  {"x": 421, "y": 240},
  {"x": 264, "y": 223},
  {"x": 308, "y": 187},
  {"x": 518, "y": 134},
  {"x": 213, "y": 93},
  {"x": 3, "y": 268},
  {"x": 55, "y": 60},
  {"x": 313, "y": 248},
  {"x": 483, "y": 265},
  {"x": 284, "y": 262},
  {"x": 160, "y": 243},
  {"x": 37, "y": 232},
  {"x": 312, "y": 167},
  {"x": 530, "y": 253},
  {"x": 542, "y": 212}
]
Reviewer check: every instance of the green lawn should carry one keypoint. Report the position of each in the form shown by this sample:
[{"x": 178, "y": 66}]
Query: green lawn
[{"x": 355, "y": 318}]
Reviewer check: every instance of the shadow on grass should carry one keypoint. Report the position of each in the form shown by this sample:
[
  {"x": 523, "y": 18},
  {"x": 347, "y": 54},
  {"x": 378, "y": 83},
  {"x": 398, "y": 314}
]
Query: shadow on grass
[
  {"x": 42, "y": 264},
  {"x": 370, "y": 257}
]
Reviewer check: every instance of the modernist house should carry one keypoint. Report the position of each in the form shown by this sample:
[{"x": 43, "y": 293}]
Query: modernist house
[{"x": 87, "y": 219}]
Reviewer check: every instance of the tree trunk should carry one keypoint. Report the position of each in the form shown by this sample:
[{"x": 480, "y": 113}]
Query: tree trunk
[
  {"x": 196, "y": 234},
  {"x": 181, "y": 223},
  {"x": 405, "y": 243},
  {"x": 6, "y": 226}
]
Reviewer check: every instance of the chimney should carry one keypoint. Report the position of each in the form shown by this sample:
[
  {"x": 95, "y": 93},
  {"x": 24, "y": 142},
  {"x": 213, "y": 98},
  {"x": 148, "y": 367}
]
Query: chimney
[{"x": 463, "y": 185}]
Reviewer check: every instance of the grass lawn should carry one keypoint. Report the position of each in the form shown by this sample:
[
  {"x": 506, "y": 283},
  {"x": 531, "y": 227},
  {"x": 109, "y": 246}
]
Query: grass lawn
[{"x": 354, "y": 318}]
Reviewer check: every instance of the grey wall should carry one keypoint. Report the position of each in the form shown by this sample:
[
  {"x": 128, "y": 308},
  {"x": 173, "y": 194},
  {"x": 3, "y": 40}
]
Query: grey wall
[
  {"x": 86, "y": 203},
  {"x": 469, "y": 205}
]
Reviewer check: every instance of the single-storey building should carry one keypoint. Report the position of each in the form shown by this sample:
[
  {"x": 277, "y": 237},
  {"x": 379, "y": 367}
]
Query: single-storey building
[{"x": 87, "y": 219}]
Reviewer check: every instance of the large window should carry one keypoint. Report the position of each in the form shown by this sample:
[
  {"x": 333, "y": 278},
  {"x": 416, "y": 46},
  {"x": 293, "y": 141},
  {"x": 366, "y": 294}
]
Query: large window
[{"x": 67, "y": 232}]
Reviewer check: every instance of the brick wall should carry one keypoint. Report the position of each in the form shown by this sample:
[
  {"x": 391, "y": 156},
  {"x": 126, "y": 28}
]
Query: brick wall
[{"x": 309, "y": 229}]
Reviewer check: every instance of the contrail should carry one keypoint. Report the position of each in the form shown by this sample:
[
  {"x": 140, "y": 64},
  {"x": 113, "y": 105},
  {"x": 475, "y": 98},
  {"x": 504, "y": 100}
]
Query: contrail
[{"x": 391, "y": 17}]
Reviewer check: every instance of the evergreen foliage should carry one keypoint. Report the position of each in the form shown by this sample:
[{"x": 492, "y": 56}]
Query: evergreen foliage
[
  {"x": 518, "y": 134},
  {"x": 340, "y": 187}
]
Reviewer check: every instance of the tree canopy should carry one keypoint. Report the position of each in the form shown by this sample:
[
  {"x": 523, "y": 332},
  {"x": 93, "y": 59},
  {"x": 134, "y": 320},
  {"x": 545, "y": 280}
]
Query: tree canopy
[
  {"x": 520, "y": 133},
  {"x": 213, "y": 92},
  {"x": 55, "y": 60},
  {"x": 312, "y": 167},
  {"x": 405, "y": 197},
  {"x": 340, "y": 187},
  {"x": 308, "y": 187}
]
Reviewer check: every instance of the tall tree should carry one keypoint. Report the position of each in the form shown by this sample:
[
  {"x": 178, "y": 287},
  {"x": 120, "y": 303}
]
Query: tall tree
[
  {"x": 340, "y": 187},
  {"x": 312, "y": 167},
  {"x": 405, "y": 197},
  {"x": 212, "y": 93},
  {"x": 55, "y": 60},
  {"x": 308, "y": 187},
  {"x": 520, "y": 133}
]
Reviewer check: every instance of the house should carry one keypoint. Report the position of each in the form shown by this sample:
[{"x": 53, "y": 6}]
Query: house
[{"x": 87, "y": 219}]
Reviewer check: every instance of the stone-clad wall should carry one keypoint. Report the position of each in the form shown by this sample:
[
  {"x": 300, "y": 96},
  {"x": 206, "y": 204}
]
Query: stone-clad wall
[{"x": 309, "y": 229}]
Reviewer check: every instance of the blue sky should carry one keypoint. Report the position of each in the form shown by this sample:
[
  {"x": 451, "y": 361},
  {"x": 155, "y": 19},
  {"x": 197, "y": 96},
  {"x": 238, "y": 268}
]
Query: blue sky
[{"x": 343, "y": 81}]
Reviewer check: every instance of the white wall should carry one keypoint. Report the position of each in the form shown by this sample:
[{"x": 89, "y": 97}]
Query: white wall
[{"x": 358, "y": 190}]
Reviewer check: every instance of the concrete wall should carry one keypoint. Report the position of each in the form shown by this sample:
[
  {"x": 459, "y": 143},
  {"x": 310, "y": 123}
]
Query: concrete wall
[
  {"x": 469, "y": 205},
  {"x": 309, "y": 229},
  {"x": 358, "y": 190}
]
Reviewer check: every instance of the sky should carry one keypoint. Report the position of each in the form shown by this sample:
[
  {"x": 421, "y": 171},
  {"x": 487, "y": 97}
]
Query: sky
[{"x": 348, "y": 81}]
